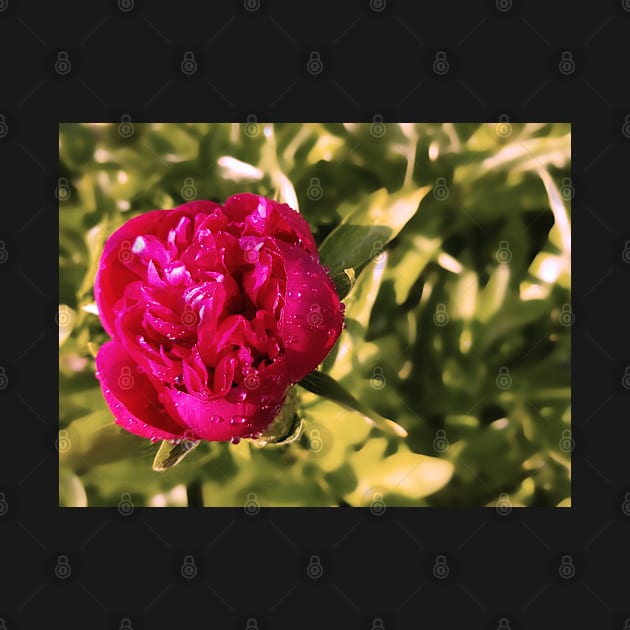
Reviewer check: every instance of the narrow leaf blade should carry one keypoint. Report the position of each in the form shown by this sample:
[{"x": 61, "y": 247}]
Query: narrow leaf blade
[{"x": 324, "y": 385}]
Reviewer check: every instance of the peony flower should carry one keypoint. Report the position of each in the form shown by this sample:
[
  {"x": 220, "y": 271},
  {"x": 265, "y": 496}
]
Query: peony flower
[{"x": 214, "y": 313}]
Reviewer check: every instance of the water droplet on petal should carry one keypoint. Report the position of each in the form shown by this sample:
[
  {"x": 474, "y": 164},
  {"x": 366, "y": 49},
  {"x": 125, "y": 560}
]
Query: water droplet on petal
[
  {"x": 216, "y": 419},
  {"x": 235, "y": 439},
  {"x": 238, "y": 420},
  {"x": 154, "y": 440}
]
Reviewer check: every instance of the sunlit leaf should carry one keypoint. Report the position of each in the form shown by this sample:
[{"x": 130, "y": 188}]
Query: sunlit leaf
[
  {"x": 403, "y": 473},
  {"x": 369, "y": 227}
]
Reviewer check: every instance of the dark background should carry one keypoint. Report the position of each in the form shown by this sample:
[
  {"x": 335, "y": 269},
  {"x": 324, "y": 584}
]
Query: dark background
[{"x": 252, "y": 58}]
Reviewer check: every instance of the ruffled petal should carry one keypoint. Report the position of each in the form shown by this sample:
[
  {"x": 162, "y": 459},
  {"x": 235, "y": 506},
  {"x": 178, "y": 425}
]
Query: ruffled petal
[
  {"x": 243, "y": 412},
  {"x": 116, "y": 268}
]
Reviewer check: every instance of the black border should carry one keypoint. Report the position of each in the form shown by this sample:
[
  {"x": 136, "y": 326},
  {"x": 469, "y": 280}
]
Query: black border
[{"x": 503, "y": 60}]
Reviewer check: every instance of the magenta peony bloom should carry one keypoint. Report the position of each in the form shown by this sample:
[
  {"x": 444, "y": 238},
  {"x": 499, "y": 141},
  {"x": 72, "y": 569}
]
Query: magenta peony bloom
[{"x": 214, "y": 312}]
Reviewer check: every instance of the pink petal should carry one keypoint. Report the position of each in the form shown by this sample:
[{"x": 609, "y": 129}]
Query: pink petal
[
  {"x": 131, "y": 397},
  {"x": 311, "y": 319},
  {"x": 266, "y": 217},
  {"x": 244, "y": 411}
]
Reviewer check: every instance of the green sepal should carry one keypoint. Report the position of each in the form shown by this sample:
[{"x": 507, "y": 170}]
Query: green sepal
[
  {"x": 170, "y": 454},
  {"x": 344, "y": 281},
  {"x": 287, "y": 426}
]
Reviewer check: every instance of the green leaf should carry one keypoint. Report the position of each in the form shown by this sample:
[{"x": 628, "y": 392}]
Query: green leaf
[
  {"x": 324, "y": 385},
  {"x": 94, "y": 439},
  {"x": 344, "y": 281},
  {"x": 404, "y": 473},
  {"x": 170, "y": 455},
  {"x": 367, "y": 229}
]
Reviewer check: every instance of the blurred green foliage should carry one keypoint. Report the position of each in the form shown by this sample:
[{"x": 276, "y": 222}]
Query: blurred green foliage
[{"x": 458, "y": 329}]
